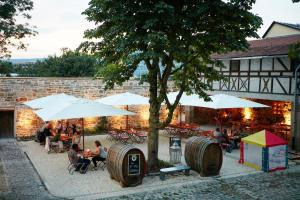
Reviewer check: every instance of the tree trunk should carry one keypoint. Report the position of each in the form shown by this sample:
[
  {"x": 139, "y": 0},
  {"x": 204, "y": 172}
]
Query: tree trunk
[{"x": 153, "y": 123}]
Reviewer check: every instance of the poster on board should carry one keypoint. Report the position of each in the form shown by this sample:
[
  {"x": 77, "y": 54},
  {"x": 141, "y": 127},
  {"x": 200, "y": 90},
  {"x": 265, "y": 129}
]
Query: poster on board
[
  {"x": 134, "y": 164},
  {"x": 277, "y": 157}
]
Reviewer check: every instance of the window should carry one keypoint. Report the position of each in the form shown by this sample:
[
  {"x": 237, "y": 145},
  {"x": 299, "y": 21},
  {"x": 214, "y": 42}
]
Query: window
[{"x": 235, "y": 65}]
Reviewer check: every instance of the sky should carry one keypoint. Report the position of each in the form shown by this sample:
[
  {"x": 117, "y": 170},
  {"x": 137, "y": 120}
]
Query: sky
[{"x": 59, "y": 23}]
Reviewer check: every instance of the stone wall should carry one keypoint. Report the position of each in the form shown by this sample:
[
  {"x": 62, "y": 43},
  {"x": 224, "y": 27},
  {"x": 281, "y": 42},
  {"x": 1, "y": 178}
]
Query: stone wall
[{"x": 14, "y": 91}]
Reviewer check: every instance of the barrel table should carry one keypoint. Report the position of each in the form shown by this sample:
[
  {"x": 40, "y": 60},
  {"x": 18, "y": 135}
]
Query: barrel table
[
  {"x": 204, "y": 155},
  {"x": 126, "y": 164}
]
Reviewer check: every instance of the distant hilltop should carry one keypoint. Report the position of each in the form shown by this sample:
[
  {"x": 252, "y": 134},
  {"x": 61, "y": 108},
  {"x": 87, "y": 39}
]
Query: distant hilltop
[{"x": 24, "y": 60}]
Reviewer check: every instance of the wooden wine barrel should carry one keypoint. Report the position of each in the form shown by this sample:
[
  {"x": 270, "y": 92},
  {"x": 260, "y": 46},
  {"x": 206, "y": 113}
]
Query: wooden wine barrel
[
  {"x": 204, "y": 156},
  {"x": 126, "y": 164}
]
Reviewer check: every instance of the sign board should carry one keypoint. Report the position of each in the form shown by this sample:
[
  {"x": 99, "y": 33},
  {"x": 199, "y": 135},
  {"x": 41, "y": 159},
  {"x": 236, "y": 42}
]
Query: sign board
[
  {"x": 277, "y": 157},
  {"x": 134, "y": 164},
  {"x": 173, "y": 140}
]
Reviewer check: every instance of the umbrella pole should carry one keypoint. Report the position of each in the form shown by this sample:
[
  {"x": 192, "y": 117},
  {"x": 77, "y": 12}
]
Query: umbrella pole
[
  {"x": 220, "y": 120},
  {"x": 82, "y": 125},
  {"x": 180, "y": 114},
  {"x": 127, "y": 118}
]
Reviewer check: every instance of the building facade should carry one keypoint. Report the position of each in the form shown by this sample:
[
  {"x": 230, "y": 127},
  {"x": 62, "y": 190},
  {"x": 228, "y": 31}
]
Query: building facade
[{"x": 264, "y": 71}]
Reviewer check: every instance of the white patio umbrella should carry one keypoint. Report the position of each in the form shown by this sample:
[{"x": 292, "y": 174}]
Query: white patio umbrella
[
  {"x": 223, "y": 101},
  {"x": 218, "y": 101},
  {"x": 80, "y": 108},
  {"x": 51, "y": 100},
  {"x": 185, "y": 100},
  {"x": 124, "y": 99}
]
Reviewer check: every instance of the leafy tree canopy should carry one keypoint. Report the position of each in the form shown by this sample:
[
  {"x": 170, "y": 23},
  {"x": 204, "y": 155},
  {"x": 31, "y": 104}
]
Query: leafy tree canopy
[
  {"x": 168, "y": 32},
  {"x": 69, "y": 64},
  {"x": 294, "y": 51},
  {"x": 5, "y": 68},
  {"x": 179, "y": 35},
  {"x": 10, "y": 31}
]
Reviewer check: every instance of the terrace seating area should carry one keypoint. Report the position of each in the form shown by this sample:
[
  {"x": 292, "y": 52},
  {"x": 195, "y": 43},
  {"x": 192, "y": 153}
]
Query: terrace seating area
[
  {"x": 86, "y": 184},
  {"x": 127, "y": 136}
]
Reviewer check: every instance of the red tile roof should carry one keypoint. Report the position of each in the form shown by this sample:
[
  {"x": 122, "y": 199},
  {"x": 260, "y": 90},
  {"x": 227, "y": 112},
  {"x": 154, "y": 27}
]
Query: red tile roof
[{"x": 264, "y": 47}]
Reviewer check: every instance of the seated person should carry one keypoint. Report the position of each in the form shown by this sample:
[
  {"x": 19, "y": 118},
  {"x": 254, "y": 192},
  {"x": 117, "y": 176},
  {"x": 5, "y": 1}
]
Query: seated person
[
  {"x": 218, "y": 135},
  {"x": 56, "y": 137},
  {"x": 40, "y": 137},
  {"x": 47, "y": 132},
  {"x": 74, "y": 128},
  {"x": 226, "y": 140},
  {"x": 80, "y": 163},
  {"x": 225, "y": 137},
  {"x": 100, "y": 153},
  {"x": 69, "y": 131},
  {"x": 235, "y": 133},
  {"x": 76, "y": 138},
  {"x": 58, "y": 127},
  {"x": 66, "y": 127}
]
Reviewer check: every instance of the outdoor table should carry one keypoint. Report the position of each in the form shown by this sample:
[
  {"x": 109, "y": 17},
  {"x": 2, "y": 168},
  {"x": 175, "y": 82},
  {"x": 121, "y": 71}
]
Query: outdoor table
[
  {"x": 87, "y": 154},
  {"x": 136, "y": 136},
  {"x": 64, "y": 137}
]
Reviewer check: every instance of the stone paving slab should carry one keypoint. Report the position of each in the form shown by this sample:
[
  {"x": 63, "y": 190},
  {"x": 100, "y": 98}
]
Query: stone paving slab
[
  {"x": 3, "y": 183},
  {"x": 275, "y": 186},
  {"x": 23, "y": 182},
  {"x": 97, "y": 184}
]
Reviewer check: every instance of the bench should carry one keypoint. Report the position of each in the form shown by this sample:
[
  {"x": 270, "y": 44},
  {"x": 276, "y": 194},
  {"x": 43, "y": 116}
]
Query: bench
[{"x": 171, "y": 170}]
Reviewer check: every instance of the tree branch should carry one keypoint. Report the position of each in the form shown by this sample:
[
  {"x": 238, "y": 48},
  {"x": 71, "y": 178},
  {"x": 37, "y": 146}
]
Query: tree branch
[{"x": 172, "y": 107}]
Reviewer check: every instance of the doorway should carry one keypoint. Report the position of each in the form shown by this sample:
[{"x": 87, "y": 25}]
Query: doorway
[{"x": 7, "y": 124}]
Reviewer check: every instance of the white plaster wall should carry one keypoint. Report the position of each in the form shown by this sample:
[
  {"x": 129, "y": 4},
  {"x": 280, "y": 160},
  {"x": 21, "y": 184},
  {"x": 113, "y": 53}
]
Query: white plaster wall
[
  {"x": 284, "y": 82},
  {"x": 254, "y": 65},
  {"x": 266, "y": 64},
  {"x": 254, "y": 86},
  {"x": 244, "y": 65},
  {"x": 215, "y": 85},
  {"x": 278, "y": 66},
  {"x": 226, "y": 64},
  {"x": 280, "y": 30}
]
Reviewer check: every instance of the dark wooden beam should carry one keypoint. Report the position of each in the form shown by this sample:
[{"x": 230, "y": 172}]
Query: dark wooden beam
[
  {"x": 282, "y": 64},
  {"x": 285, "y": 92}
]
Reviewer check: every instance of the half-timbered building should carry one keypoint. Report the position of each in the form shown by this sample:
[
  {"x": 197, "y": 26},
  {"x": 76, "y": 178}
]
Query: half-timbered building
[{"x": 264, "y": 71}]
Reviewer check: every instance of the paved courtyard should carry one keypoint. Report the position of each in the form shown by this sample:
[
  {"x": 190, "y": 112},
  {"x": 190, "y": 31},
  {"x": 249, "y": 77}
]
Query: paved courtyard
[
  {"x": 266, "y": 186},
  {"x": 22, "y": 182},
  {"x": 20, "y": 179},
  {"x": 94, "y": 184}
]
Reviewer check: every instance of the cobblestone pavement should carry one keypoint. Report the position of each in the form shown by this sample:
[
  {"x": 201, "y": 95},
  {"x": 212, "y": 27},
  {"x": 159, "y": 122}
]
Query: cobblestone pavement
[
  {"x": 22, "y": 180},
  {"x": 273, "y": 186},
  {"x": 24, "y": 183}
]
